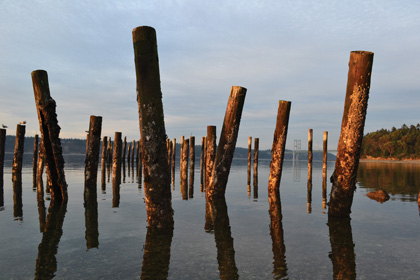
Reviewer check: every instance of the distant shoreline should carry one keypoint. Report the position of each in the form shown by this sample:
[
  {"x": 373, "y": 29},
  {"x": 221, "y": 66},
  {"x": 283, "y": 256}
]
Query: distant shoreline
[{"x": 416, "y": 161}]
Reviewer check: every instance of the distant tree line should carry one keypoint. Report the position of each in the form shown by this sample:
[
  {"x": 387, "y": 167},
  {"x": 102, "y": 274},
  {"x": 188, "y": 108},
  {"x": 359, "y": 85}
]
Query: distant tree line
[{"x": 402, "y": 143}]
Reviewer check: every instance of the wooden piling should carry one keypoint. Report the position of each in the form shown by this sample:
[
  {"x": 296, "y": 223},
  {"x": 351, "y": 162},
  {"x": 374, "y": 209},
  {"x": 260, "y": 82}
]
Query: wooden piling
[
  {"x": 249, "y": 161},
  {"x": 310, "y": 133},
  {"x": 116, "y": 158},
  {"x": 2, "y": 150},
  {"x": 351, "y": 136},
  {"x": 169, "y": 144},
  {"x": 184, "y": 169},
  {"x": 227, "y": 142},
  {"x": 40, "y": 166},
  {"x": 256, "y": 147},
  {"x": 192, "y": 165},
  {"x": 92, "y": 154},
  {"x": 18, "y": 154},
  {"x": 116, "y": 169},
  {"x": 173, "y": 161},
  {"x": 157, "y": 179},
  {"x": 103, "y": 162},
  {"x": 210, "y": 154},
  {"x": 109, "y": 153},
  {"x": 325, "y": 153},
  {"x": 124, "y": 149},
  {"x": 279, "y": 144},
  {"x": 203, "y": 141},
  {"x": 50, "y": 130},
  {"x": 35, "y": 160},
  {"x": 133, "y": 149},
  {"x": 181, "y": 153}
]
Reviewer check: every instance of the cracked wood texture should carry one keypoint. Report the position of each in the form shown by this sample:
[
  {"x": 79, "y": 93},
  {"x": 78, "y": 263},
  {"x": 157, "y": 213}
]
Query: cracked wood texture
[
  {"x": 18, "y": 154},
  {"x": 227, "y": 142},
  {"x": 92, "y": 152},
  {"x": 279, "y": 144},
  {"x": 351, "y": 136},
  {"x": 157, "y": 178},
  {"x": 50, "y": 131}
]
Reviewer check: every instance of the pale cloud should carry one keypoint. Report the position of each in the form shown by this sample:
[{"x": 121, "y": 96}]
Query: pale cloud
[{"x": 279, "y": 50}]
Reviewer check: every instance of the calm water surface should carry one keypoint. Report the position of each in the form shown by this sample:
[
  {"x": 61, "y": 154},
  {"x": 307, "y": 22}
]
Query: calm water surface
[{"x": 104, "y": 242}]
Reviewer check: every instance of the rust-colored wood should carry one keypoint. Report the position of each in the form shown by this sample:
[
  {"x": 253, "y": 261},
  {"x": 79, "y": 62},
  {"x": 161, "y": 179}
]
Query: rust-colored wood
[
  {"x": 50, "y": 130},
  {"x": 210, "y": 154},
  {"x": 351, "y": 136},
  {"x": 124, "y": 149},
  {"x": 184, "y": 168},
  {"x": 157, "y": 179},
  {"x": 173, "y": 161},
  {"x": 203, "y": 141},
  {"x": 192, "y": 166},
  {"x": 227, "y": 142},
  {"x": 279, "y": 144},
  {"x": 92, "y": 153},
  {"x": 325, "y": 154}
]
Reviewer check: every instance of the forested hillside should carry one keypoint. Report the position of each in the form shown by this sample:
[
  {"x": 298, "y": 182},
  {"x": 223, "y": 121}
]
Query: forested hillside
[{"x": 402, "y": 143}]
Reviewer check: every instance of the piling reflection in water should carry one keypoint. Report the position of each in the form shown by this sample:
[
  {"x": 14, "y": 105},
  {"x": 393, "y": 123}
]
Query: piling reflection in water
[
  {"x": 46, "y": 263},
  {"x": 277, "y": 236},
  {"x": 342, "y": 253},
  {"x": 224, "y": 242},
  {"x": 17, "y": 197},
  {"x": 91, "y": 217},
  {"x": 157, "y": 253},
  {"x": 41, "y": 204}
]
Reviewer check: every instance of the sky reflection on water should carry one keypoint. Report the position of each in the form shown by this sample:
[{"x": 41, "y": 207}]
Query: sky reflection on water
[{"x": 381, "y": 240}]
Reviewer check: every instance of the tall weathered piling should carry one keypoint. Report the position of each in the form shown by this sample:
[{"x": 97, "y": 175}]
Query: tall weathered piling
[
  {"x": 133, "y": 149},
  {"x": 173, "y": 161},
  {"x": 35, "y": 160},
  {"x": 103, "y": 162},
  {"x": 184, "y": 168},
  {"x": 351, "y": 136},
  {"x": 157, "y": 179},
  {"x": 180, "y": 153},
  {"x": 210, "y": 154},
  {"x": 169, "y": 144},
  {"x": 248, "y": 182},
  {"x": 227, "y": 142},
  {"x": 256, "y": 148},
  {"x": 2, "y": 149},
  {"x": 192, "y": 166},
  {"x": 279, "y": 144},
  {"x": 40, "y": 166},
  {"x": 50, "y": 130},
  {"x": 19, "y": 148},
  {"x": 92, "y": 154}
]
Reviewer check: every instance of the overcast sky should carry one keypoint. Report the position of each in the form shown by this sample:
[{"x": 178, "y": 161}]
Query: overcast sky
[{"x": 279, "y": 50}]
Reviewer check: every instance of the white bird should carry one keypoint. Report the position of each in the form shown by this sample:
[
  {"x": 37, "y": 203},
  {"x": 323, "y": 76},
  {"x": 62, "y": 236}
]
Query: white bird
[
  {"x": 3, "y": 126},
  {"x": 22, "y": 122}
]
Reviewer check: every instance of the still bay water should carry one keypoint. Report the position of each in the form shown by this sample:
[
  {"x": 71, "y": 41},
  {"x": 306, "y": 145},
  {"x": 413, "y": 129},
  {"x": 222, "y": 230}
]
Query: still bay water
[{"x": 380, "y": 242}]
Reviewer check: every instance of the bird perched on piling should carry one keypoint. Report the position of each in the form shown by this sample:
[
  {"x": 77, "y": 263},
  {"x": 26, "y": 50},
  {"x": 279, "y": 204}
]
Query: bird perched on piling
[
  {"x": 3, "y": 126},
  {"x": 22, "y": 122}
]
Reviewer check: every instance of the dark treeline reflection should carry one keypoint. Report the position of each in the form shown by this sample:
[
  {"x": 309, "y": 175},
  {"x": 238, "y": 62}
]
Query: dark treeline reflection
[
  {"x": 342, "y": 253},
  {"x": 91, "y": 217},
  {"x": 46, "y": 263},
  {"x": 157, "y": 253},
  {"x": 395, "y": 178},
  {"x": 216, "y": 211},
  {"x": 277, "y": 236}
]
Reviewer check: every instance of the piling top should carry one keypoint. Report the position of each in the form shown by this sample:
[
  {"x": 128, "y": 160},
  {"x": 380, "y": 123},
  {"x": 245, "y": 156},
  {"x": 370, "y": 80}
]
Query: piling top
[
  {"x": 143, "y": 33},
  {"x": 362, "y": 52}
]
